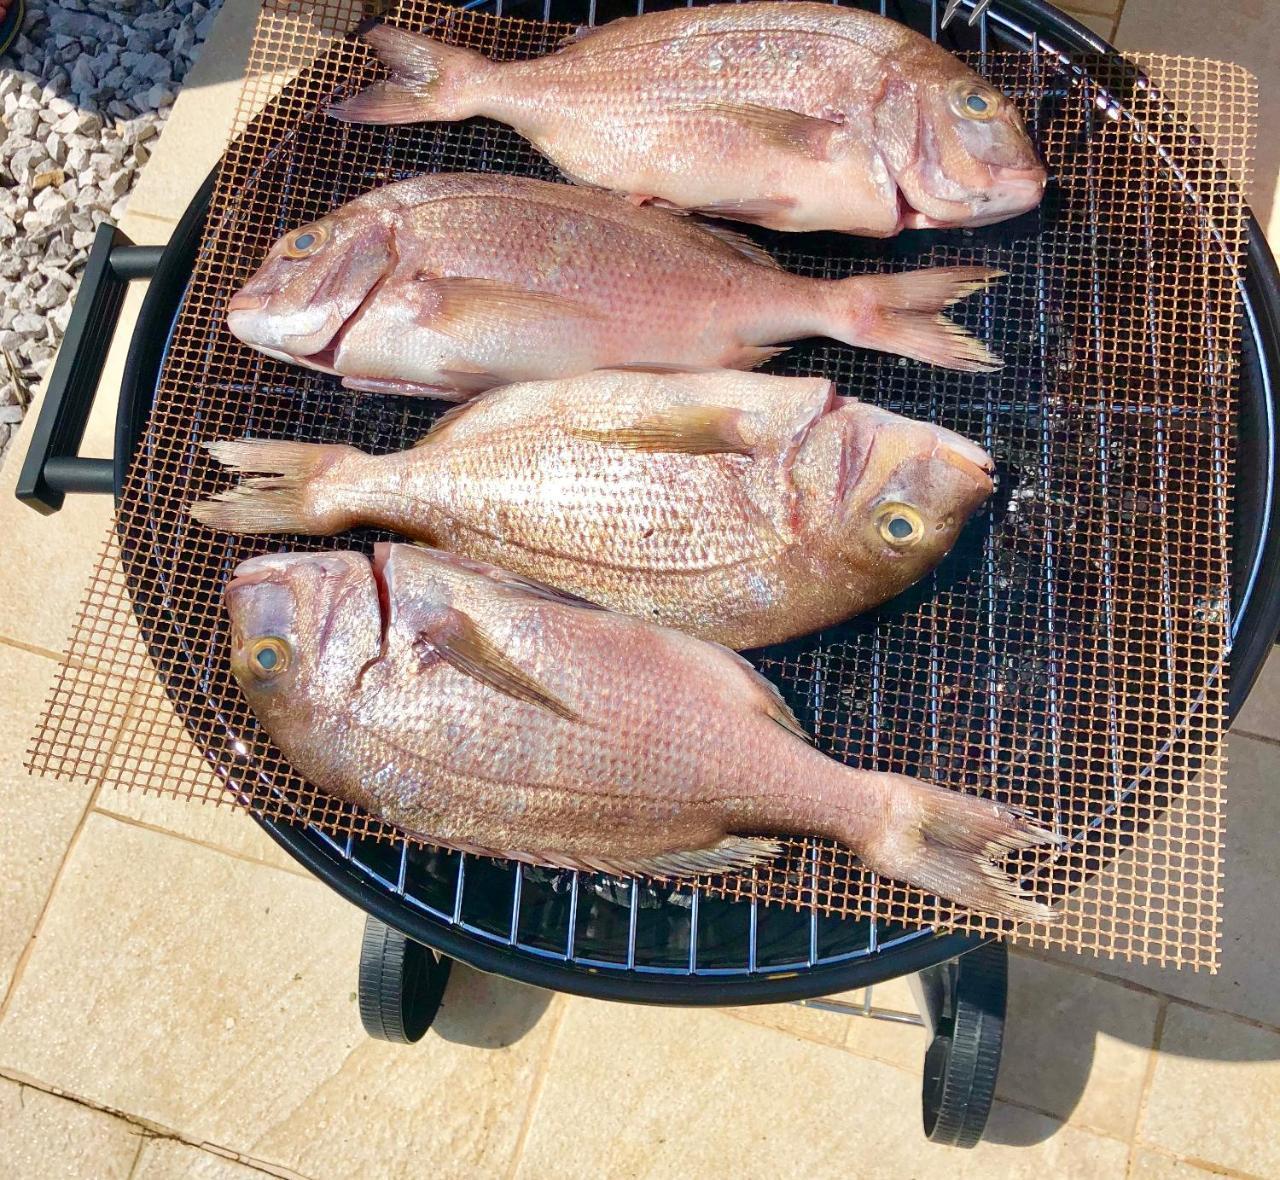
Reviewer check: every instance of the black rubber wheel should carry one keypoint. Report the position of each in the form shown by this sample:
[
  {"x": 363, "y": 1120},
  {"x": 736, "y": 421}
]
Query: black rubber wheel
[
  {"x": 964, "y": 1057},
  {"x": 401, "y": 984}
]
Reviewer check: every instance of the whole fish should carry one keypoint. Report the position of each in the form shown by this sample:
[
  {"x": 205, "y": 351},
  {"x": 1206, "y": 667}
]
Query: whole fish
[
  {"x": 450, "y": 284},
  {"x": 790, "y": 115},
  {"x": 489, "y": 714},
  {"x": 739, "y": 507}
]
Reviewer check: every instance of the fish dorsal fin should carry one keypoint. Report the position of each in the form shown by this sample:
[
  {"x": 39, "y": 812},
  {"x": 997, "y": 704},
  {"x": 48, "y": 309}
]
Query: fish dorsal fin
[
  {"x": 767, "y": 696},
  {"x": 459, "y": 300},
  {"x": 789, "y": 130},
  {"x": 517, "y": 583},
  {"x": 454, "y": 637},
  {"x": 687, "y": 430},
  {"x": 577, "y": 36},
  {"x": 741, "y": 243},
  {"x": 442, "y": 424}
]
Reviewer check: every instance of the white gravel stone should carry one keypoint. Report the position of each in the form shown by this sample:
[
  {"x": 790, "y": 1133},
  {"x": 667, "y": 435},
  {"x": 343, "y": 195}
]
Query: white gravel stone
[{"x": 84, "y": 90}]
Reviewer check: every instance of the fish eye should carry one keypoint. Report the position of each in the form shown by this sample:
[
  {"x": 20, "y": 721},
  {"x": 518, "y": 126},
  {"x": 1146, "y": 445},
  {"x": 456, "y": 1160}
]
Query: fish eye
[
  {"x": 974, "y": 102},
  {"x": 899, "y": 525},
  {"x": 268, "y": 657},
  {"x": 304, "y": 242}
]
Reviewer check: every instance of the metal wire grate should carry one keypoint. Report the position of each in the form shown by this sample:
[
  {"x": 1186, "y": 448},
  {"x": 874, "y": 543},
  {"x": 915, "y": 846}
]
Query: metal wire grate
[{"x": 1068, "y": 657}]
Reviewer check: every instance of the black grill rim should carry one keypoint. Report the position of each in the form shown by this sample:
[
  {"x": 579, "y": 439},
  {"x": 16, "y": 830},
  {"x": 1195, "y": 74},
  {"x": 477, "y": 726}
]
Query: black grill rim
[{"x": 1255, "y": 582}]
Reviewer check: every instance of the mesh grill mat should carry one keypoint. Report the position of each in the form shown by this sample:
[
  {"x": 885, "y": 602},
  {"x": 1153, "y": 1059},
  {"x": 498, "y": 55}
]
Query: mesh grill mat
[{"x": 1068, "y": 657}]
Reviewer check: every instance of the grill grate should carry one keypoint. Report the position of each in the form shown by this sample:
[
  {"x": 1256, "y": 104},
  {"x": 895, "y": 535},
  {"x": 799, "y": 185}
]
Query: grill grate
[{"x": 1068, "y": 657}]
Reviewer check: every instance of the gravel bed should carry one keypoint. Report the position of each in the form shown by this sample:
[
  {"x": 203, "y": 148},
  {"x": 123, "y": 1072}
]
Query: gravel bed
[{"x": 84, "y": 91}]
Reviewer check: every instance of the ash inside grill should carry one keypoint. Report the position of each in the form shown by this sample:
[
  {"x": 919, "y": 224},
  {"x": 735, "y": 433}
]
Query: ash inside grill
[{"x": 1067, "y": 657}]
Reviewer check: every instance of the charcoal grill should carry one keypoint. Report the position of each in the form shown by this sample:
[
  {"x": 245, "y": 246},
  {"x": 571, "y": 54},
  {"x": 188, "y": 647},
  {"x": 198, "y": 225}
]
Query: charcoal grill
[{"x": 716, "y": 942}]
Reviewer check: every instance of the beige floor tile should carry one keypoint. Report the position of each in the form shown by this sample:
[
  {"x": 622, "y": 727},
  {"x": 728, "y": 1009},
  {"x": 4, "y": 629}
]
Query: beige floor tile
[
  {"x": 223, "y": 827},
  {"x": 1242, "y": 31},
  {"x": 168, "y": 1159},
  {"x": 1215, "y": 1093},
  {"x": 160, "y": 755},
  {"x": 902, "y": 1045},
  {"x": 44, "y": 1136},
  {"x": 688, "y": 1093},
  {"x": 1261, "y": 712},
  {"x": 1246, "y": 981},
  {"x": 199, "y": 126},
  {"x": 1155, "y": 1165},
  {"x": 217, "y": 997},
  {"x": 1097, "y": 1035},
  {"x": 1108, "y": 8},
  {"x": 48, "y": 559},
  {"x": 37, "y": 816}
]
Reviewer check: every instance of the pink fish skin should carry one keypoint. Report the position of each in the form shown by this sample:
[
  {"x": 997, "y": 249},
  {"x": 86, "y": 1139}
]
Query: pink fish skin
[
  {"x": 795, "y": 116},
  {"x": 487, "y": 713},
  {"x": 739, "y": 507},
  {"x": 450, "y": 284}
]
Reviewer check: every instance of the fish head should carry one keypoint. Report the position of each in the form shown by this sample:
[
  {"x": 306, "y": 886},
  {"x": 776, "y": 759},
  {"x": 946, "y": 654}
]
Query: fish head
[
  {"x": 311, "y": 283},
  {"x": 303, "y": 627},
  {"x": 971, "y": 163},
  {"x": 889, "y": 493}
]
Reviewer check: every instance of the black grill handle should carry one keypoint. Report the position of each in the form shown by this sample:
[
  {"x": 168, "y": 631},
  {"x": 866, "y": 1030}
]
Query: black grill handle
[{"x": 53, "y": 466}]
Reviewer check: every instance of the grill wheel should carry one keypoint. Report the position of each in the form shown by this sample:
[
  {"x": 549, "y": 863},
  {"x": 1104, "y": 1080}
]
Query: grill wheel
[
  {"x": 963, "y": 1058},
  {"x": 401, "y": 984}
]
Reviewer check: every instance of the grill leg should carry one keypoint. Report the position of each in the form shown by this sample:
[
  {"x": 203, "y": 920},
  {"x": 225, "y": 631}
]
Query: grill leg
[
  {"x": 401, "y": 984},
  {"x": 963, "y": 1005}
]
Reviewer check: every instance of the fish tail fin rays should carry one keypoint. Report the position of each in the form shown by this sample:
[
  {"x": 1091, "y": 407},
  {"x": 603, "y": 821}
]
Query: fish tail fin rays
[
  {"x": 951, "y": 844},
  {"x": 291, "y": 488},
  {"x": 429, "y": 81},
  {"x": 902, "y": 313}
]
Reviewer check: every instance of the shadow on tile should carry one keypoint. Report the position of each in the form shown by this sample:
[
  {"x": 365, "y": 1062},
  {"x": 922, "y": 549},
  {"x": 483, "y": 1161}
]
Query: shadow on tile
[
  {"x": 1076, "y": 1047},
  {"x": 487, "y": 1011}
]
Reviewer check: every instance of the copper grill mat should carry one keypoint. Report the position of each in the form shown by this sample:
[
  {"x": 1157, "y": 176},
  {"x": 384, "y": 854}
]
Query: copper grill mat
[{"x": 1069, "y": 657}]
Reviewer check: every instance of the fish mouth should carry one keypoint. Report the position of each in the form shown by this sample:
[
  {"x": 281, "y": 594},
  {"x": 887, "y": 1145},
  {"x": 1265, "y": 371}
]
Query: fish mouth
[
  {"x": 243, "y": 301},
  {"x": 969, "y": 459},
  {"x": 909, "y": 217},
  {"x": 276, "y": 567}
]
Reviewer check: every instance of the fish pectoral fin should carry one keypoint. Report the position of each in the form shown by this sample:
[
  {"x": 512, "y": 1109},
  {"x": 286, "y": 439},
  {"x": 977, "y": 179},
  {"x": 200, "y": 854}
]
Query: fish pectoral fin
[
  {"x": 777, "y": 710},
  {"x": 741, "y": 243},
  {"x": 789, "y": 130},
  {"x": 765, "y": 694},
  {"x": 455, "y": 638},
  {"x": 461, "y": 299},
  {"x": 688, "y": 430},
  {"x": 725, "y": 856}
]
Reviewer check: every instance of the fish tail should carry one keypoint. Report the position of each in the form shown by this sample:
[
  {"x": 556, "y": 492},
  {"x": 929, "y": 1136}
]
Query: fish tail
[
  {"x": 902, "y": 313},
  {"x": 293, "y": 488},
  {"x": 950, "y": 844},
  {"x": 430, "y": 81}
]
